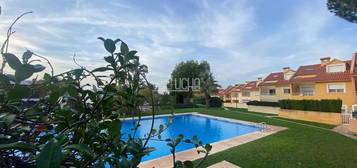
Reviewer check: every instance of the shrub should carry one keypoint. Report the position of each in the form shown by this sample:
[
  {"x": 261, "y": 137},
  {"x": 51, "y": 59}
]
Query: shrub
[
  {"x": 263, "y": 103},
  {"x": 323, "y": 105},
  {"x": 199, "y": 100},
  {"x": 215, "y": 102}
]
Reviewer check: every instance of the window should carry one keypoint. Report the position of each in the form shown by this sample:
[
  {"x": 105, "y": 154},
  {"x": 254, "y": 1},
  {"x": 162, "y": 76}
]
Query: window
[
  {"x": 275, "y": 76},
  {"x": 288, "y": 76},
  {"x": 336, "y": 88},
  {"x": 257, "y": 93},
  {"x": 271, "y": 91},
  {"x": 286, "y": 90},
  {"x": 344, "y": 109},
  {"x": 245, "y": 100},
  {"x": 246, "y": 94},
  {"x": 336, "y": 68},
  {"x": 309, "y": 69},
  {"x": 306, "y": 90},
  {"x": 354, "y": 111},
  {"x": 235, "y": 95}
]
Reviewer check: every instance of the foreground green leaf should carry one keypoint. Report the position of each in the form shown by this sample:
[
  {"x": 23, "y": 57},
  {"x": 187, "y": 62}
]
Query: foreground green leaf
[
  {"x": 12, "y": 60},
  {"x": 50, "y": 156}
]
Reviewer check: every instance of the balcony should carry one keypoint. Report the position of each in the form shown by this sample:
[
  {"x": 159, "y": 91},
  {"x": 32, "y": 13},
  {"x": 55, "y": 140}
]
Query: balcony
[
  {"x": 303, "y": 93},
  {"x": 267, "y": 94}
]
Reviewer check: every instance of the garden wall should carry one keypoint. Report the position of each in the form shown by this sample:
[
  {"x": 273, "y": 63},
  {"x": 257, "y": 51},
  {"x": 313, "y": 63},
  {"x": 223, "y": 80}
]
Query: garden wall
[
  {"x": 321, "y": 117},
  {"x": 264, "y": 109},
  {"x": 235, "y": 105}
]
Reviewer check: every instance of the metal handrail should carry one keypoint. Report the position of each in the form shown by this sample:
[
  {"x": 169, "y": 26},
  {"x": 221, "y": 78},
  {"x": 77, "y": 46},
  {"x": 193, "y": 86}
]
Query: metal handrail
[{"x": 263, "y": 125}]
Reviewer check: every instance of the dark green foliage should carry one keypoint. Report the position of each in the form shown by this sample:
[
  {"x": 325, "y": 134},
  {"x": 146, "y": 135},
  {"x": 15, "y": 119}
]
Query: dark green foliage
[
  {"x": 323, "y": 105},
  {"x": 346, "y": 9},
  {"x": 215, "y": 102},
  {"x": 192, "y": 70},
  {"x": 263, "y": 103},
  {"x": 199, "y": 100}
]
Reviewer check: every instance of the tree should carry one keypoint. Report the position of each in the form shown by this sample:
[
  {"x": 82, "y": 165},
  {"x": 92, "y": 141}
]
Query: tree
[
  {"x": 346, "y": 9},
  {"x": 178, "y": 86},
  {"x": 208, "y": 84},
  {"x": 193, "y": 70}
]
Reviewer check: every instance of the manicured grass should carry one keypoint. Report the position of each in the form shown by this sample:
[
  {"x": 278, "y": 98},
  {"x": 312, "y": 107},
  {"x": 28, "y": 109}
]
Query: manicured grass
[
  {"x": 298, "y": 146},
  {"x": 328, "y": 126}
]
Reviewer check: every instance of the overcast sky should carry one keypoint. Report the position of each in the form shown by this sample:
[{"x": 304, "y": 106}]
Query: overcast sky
[{"x": 241, "y": 39}]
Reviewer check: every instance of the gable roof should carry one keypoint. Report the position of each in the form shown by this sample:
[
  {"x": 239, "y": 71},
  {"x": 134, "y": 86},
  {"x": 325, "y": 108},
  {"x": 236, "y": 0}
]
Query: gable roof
[
  {"x": 317, "y": 73},
  {"x": 251, "y": 86},
  {"x": 275, "y": 79}
]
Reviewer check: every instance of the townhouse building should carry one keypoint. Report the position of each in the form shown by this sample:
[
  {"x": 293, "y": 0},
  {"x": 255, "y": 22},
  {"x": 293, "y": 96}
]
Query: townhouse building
[
  {"x": 330, "y": 79},
  {"x": 276, "y": 85}
]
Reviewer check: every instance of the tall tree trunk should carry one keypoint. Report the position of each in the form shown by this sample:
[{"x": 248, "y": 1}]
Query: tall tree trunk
[{"x": 207, "y": 100}]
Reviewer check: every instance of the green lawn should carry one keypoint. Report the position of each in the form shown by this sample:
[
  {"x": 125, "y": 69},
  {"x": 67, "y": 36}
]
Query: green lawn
[{"x": 299, "y": 146}]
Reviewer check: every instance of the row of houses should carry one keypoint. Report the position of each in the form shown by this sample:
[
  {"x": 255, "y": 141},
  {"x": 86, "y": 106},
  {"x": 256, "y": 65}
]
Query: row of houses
[{"x": 329, "y": 79}]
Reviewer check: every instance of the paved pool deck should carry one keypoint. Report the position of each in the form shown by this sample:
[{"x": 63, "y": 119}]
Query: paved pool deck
[{"x": 191, "y": 154}]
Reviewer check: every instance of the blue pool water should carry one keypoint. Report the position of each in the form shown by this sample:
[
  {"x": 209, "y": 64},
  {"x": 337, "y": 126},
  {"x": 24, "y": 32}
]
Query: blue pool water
[{"x": 208, "y": 130}]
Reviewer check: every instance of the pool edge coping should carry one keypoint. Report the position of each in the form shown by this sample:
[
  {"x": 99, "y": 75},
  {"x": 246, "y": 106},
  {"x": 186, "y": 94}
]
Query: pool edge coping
[{"x": 191, "y": 154}]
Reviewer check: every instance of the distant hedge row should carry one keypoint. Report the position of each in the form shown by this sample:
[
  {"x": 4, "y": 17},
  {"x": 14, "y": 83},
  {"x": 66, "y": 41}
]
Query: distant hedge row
[
  {"x": 263, "y": 103},
  {"x": 323, "y": 105}
]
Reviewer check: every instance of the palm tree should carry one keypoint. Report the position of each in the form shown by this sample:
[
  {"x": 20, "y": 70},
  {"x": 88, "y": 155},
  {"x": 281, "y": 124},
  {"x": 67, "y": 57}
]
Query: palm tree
[{"x": 208, "y": 84}]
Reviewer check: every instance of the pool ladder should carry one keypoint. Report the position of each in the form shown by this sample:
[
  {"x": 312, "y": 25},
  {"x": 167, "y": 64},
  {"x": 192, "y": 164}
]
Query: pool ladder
[{"x": 263, "y": 125}]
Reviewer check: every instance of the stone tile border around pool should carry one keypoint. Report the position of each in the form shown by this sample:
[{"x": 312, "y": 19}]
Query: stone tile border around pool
[{"x": 191, "y": 154}]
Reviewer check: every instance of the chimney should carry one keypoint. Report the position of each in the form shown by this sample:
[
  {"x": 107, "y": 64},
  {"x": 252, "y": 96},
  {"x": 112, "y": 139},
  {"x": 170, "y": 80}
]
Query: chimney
[
  {"x": 325, "y": 59},
  {"x": 286, "y": 69},
  {"x": 260, "y": 79},
  {"x": 353, "y": 63}
]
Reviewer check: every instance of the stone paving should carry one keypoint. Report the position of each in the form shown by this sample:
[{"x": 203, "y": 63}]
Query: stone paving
[
  {"x": 224, "y": 164},
  {"x": 191, "y": 154},
  {"x": 343, "y": 129}
]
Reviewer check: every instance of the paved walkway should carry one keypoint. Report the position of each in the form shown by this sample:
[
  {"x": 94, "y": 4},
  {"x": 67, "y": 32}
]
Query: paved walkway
[
  {"x": 343, "y": 129},
  {"x": 224, "y": 164}
]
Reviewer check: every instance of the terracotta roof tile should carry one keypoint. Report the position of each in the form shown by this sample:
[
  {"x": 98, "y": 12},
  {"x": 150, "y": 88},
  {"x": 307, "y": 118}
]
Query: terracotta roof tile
[
  {"x": 317, "y": 73},
  {"x": 251, "y": 86},
  {"x": 275, "y": 79}
]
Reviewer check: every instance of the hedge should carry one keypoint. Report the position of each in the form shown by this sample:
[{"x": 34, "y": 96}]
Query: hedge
[
  {"x": 215, "y": 102},
  {"x": 263, "y": 103},
  {"x": 323, "y": 105}
]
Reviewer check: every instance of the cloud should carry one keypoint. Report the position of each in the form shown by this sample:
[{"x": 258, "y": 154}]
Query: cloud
[
  {"x": 229, "y": 34},
  {"x": 225, "y": 29}
]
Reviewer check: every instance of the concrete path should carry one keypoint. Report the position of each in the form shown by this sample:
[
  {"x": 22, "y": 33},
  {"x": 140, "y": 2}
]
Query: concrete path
[{"x": 224, "y": 164}]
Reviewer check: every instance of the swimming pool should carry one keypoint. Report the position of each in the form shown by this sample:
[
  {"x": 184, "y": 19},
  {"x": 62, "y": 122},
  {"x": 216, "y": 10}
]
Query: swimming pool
[{"x": 207, "y": 129}]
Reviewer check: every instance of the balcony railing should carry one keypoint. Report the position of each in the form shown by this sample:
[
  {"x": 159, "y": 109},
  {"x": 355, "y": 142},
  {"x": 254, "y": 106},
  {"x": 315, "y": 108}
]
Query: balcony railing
[
  {"x": 304, "y": 93},
  {"x": 267, "y": 94}
]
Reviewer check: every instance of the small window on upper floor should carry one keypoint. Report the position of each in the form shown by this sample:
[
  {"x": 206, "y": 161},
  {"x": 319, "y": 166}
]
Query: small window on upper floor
[
  {"x": 336, "y": 88},
  {"x": 309, "y": 69},
  {"x": 335, "y": 68},
  {"x": 275, "y": 76},
  {"x": 288, "y": 76}
]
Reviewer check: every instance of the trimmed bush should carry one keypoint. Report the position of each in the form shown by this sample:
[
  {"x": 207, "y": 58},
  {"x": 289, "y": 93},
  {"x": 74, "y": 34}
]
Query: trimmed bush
[
  {"x": 263, "y": 103},
  {"x": 215, "y": 102},
  {"x": 323, "y": 105}
]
